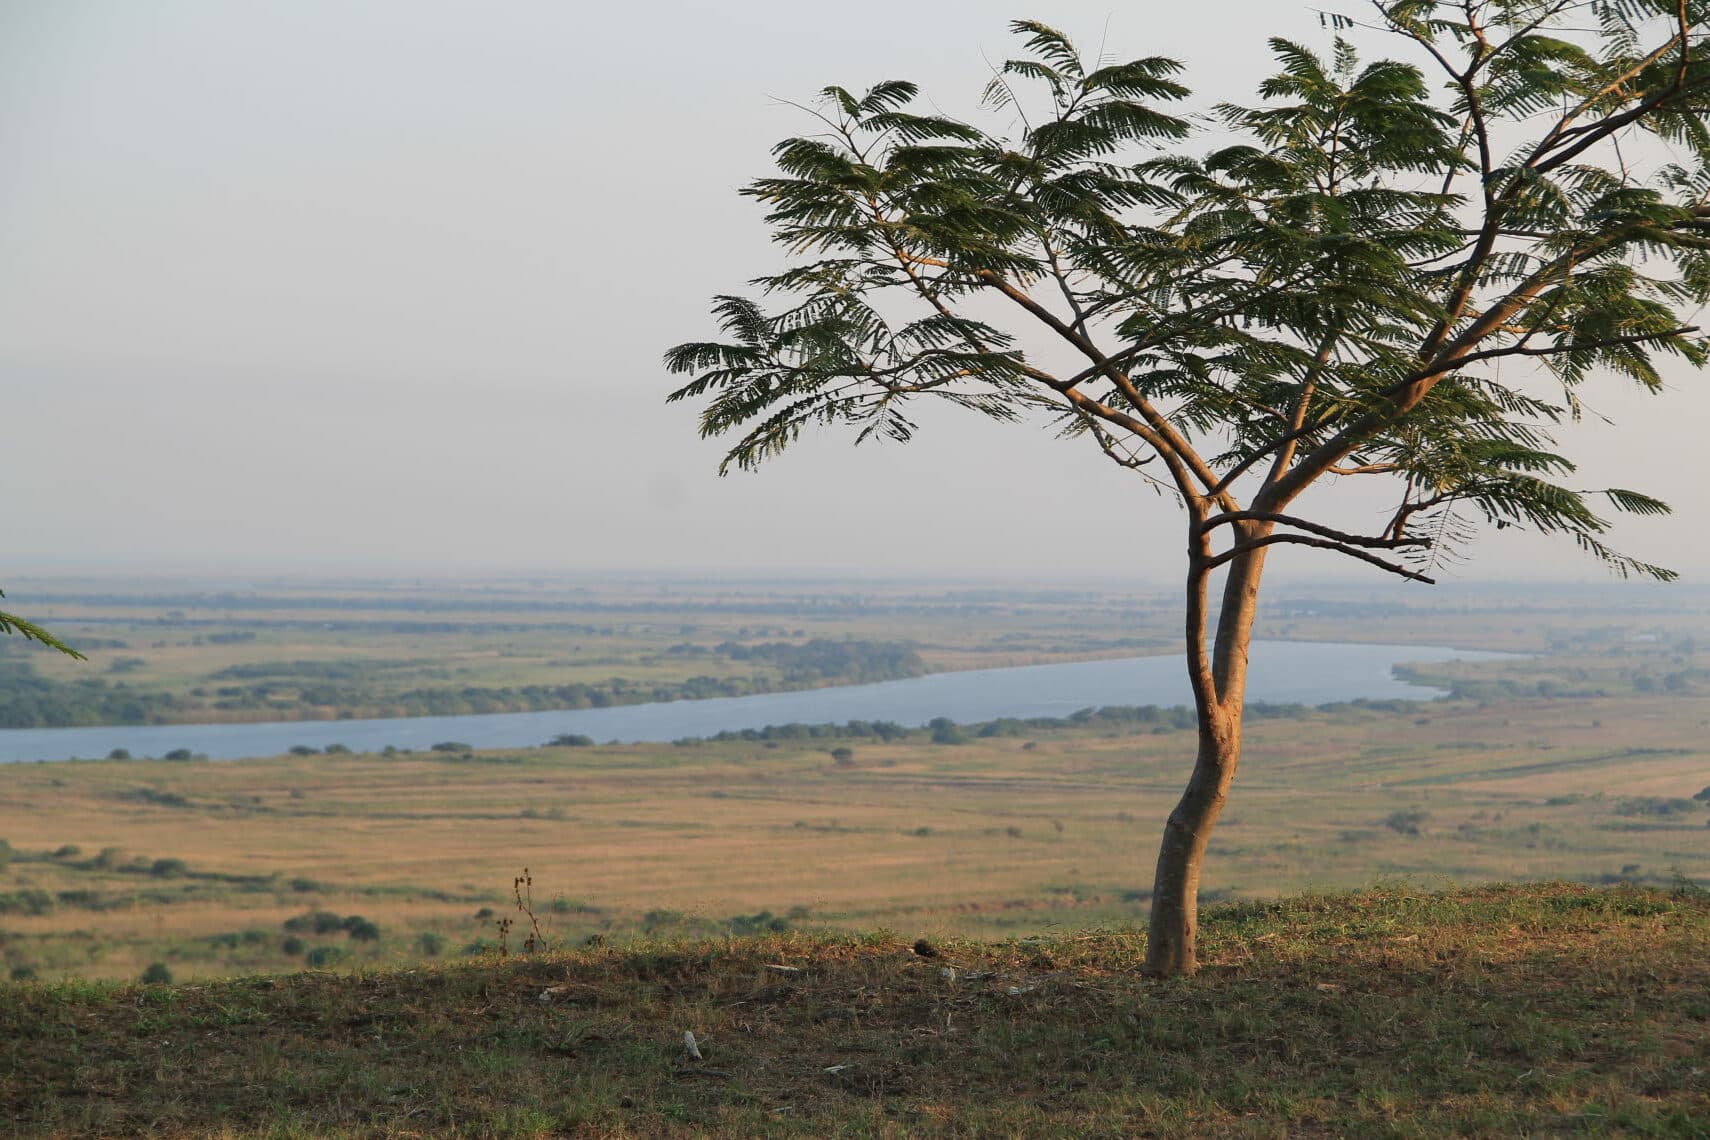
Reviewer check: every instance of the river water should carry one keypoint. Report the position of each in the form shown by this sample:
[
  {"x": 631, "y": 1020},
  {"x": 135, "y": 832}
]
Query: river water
[{"x": 1281, "y": 672}]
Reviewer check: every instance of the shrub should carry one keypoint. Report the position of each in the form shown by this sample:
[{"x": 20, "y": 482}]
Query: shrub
[
  {"x": 119, "y": 754},
  {"x": 316, "y": 922},
  {"x": 292, "y": 945},
  {"x": 765, "y": 922},
  {"x": 157, "y": 974},
  {"x": 304, "y": 750},
  {"x": 23, "y": 973},
  {"x": 67, "y": 850},
  {"x": 451, "y": 746},
  {"x": 944, "y": 731},
  {"x": 430, "y": 943},
  {"x": 1655, "y": 805},
  {"x": 361, "y": 930},
  {"x": 337, "y": 750},
  {"x": 570, "y": 740},
  {"x": 179, "y": 754},
  {"x": 1406, "y": 821},
  {"x": 843, "y": 757},
  {"x": 322, "y": 956},
  {"x": 168, "y": 868}
]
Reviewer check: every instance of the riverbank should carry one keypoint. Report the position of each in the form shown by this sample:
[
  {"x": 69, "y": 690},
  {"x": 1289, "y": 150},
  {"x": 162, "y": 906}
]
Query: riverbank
[{"x": 1310, "y": 673}]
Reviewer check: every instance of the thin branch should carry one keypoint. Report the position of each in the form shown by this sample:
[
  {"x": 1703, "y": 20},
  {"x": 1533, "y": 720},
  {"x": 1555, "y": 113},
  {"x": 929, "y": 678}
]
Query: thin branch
[
  {"x": 1558, "y": 349},
  {"x": 1231, "y": 517},
  {"x": 1323, "y": 544}
]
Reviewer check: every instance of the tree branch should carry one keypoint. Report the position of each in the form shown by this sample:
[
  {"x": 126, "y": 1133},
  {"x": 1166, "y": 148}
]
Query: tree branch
[
  {"x": 1323, "y": 544},
  {"x": 1231, "y": 517}
]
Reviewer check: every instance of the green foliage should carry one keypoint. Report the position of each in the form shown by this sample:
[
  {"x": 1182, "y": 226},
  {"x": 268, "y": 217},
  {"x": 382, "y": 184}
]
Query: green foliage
[
  {"x": 360, "y": 929},
  {"x": 322, "y": 957},
  {"x": 1332, "y": 286},
  {"x": 29, "y": 700},
  {"x": 29, "y": 631},
  {"x": 944, "y": 731},
  {"x": 1406, "y": 821},
  {"x": 157, "y": 974}
]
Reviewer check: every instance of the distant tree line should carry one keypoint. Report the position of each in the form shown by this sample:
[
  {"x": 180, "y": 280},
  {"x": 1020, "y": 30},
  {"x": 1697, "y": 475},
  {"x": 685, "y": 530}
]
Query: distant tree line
[
  {"x": 310, "y": 689},
  {"x": 28, "y": 700},
  {"x": 943, "y": 730}
]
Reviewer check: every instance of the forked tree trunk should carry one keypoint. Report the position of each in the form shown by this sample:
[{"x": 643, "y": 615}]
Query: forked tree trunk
[{"x": 1171, "y": 948}]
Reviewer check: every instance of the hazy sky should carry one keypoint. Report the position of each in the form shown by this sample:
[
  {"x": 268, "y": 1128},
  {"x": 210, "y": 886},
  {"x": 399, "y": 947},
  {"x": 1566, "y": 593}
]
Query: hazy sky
[{"x": 383, "y": 286}]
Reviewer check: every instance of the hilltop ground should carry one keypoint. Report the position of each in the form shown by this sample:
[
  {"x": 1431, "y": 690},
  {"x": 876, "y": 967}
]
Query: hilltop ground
[{"x": 1504, "y": 1011}]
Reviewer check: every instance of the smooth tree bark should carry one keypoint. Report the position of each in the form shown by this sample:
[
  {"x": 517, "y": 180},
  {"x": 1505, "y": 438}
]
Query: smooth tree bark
[{"x": 1329, "y": 296}]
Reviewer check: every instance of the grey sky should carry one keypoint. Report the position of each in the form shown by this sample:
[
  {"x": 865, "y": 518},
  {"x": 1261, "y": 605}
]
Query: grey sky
[{"x": 384, "y": 285}]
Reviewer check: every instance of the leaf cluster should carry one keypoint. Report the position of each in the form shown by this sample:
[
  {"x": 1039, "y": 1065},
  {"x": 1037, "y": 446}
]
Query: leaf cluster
[{"x": 1335, "y": 286}]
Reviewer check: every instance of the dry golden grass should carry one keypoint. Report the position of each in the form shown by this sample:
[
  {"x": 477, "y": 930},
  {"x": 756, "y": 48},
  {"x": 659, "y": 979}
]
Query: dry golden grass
[{"x": 990, "y": 837}]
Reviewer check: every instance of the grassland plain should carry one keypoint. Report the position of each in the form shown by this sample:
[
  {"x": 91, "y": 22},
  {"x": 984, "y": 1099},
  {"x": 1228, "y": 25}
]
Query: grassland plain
[
  {"x": 218, "y": 868},
  {"x": 1542, "y": 1010}
]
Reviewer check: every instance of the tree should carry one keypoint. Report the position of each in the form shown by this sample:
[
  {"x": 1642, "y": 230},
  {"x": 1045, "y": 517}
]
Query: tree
[
  {"x": 1325, "y": 286},
  {"x": 29, "y": 631}
]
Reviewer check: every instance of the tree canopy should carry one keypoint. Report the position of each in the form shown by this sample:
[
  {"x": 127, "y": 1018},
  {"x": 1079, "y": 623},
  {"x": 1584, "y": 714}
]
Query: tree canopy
[{"x": 1403, "y": 269}]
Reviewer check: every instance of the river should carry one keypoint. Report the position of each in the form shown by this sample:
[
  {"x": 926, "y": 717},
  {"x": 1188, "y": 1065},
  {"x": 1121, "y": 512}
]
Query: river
[{"x": 1282, "y": 672}]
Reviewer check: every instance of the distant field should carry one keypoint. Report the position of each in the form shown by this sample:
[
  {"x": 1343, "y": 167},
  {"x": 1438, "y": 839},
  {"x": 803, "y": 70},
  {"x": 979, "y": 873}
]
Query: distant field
[
  {"x": 161, "y": 652},
  {"x": 202, "y": 866}
]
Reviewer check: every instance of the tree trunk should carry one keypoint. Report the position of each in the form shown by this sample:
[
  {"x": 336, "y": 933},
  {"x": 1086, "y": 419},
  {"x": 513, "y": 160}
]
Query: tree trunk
[{"x": 1171, "y": 949}]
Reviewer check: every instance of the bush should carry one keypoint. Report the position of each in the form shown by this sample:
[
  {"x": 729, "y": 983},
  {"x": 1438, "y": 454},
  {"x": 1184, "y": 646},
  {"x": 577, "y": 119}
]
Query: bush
[
  {"x": 843, "y": 757},
  {"x": 304, "y": 750},
  {"x": 361, "y": 930},
  {"x": 1655, "y": 805},
  {"x": 430, "y": 943},
  {"x": 67, "y": 850},
  {"x": 337, "y": 750},
  {"x": 315, "y": 922},
  {"x": 570, "y": 740},
  {"x": 156, "y": 975},
  {"x": 23, "y": 973},
  {"x": 1406, "y": 821},
  {"x": 944, "y": 731},
  {"x": 179, "y": 754},
  {"x": 293, "y": 946},
  {"x": 119, "y": 754},
  {"x": 322, "y": 956},
  {"x": 765, "y": 922},
  {"x": 168, "y": 868},
  {"x": 452, "y": 746}
]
